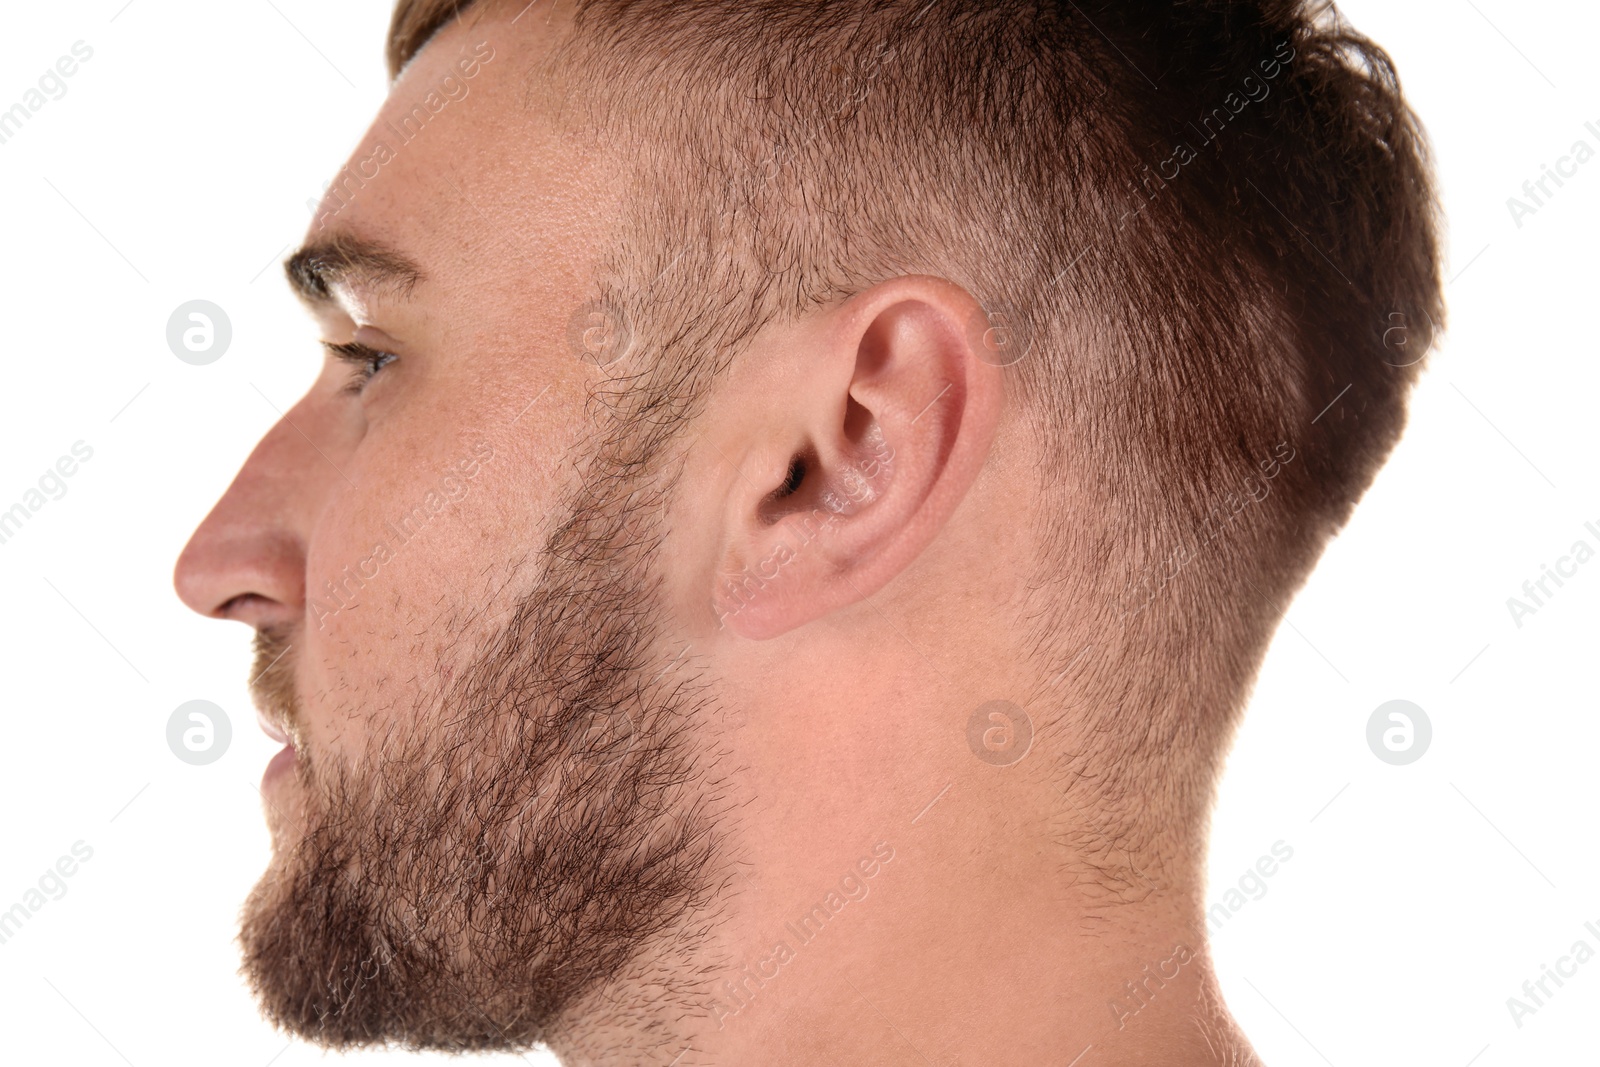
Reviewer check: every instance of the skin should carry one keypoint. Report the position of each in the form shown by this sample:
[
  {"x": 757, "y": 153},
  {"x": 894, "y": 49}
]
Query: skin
[{"x": 838, "y": 693}]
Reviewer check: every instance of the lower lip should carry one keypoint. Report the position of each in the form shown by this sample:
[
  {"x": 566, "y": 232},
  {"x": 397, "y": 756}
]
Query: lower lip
[{"x": 280, "y": 765}]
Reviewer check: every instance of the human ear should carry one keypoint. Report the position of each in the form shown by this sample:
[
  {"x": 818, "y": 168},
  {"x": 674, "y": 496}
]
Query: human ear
[{"x": 862, "y": 446}]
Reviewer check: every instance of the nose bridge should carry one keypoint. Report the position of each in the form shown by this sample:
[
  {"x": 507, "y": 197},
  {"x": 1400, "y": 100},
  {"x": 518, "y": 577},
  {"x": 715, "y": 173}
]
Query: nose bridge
[{"x": 252, "y": 544}]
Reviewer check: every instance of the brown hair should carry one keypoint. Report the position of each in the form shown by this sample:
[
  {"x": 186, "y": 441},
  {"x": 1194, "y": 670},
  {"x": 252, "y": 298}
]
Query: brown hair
[{"x": 1204, "y": 228}]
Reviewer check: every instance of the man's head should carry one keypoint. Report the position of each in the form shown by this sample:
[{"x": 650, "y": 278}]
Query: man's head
[{"x": 743, "y": 420}]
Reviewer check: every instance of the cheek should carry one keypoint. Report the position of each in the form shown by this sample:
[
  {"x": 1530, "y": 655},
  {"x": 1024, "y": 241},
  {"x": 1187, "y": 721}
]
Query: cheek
[
  {"x": 412, "y": 572},
  {"x": 356, "y": 555},
  {"x": 379, "y": 600}
]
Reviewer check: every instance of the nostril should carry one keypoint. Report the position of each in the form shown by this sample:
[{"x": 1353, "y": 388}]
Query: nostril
[{"x": 233, "y": 604}]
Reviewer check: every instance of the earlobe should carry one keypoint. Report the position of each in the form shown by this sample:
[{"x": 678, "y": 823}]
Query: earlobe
[{"x": 858, "y": 464}]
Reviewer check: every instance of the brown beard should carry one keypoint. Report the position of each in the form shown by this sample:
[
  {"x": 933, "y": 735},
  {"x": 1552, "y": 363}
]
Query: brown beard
[{"x": 515, "y": 845}]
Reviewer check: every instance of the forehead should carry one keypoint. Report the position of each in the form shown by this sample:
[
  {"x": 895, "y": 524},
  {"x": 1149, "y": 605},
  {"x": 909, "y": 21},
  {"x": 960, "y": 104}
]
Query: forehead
[{"x": 471, "y": 169}]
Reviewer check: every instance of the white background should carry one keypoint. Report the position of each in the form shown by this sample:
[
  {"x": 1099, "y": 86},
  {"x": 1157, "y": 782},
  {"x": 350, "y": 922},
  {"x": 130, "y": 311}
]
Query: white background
[{"x": 179, "y": 165}]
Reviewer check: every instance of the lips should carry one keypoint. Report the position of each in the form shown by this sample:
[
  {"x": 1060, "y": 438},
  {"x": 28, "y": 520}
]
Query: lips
[
  {"x": 272, "y": 729},
  {"x": 279, "y": 766}
]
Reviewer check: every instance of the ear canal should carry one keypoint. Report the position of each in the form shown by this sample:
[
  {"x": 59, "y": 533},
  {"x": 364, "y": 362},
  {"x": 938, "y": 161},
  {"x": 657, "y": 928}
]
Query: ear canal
[{"x": 794, "y": 492}]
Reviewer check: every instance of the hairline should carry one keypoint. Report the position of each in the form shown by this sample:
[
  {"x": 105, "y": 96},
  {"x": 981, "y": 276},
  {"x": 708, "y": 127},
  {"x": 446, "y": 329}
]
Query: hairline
[{"x": 416, "y": 23}]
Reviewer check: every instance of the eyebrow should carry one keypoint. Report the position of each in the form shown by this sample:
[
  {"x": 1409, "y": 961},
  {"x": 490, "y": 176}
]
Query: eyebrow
[{"x": 321, "y": 266}]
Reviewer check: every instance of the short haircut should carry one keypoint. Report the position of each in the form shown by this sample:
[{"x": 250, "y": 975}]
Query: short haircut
[{"x": 1205, "y": 231}]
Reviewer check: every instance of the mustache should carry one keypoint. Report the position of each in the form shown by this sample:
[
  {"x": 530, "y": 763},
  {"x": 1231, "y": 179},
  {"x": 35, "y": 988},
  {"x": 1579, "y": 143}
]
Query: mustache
[{"x": 272, "y": 679}]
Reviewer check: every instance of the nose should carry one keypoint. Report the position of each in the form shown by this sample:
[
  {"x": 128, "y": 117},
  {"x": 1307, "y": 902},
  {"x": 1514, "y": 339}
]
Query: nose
[{"x": 246, "y": 561}]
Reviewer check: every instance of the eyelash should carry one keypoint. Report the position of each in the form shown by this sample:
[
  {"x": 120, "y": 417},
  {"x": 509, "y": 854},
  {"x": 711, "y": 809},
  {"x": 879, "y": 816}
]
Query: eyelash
[{"x": 365, "y": 362}]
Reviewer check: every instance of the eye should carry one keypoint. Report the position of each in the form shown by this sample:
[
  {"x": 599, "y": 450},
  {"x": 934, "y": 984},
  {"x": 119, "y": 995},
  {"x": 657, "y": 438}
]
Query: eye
[{"x": 365, "y": 362}]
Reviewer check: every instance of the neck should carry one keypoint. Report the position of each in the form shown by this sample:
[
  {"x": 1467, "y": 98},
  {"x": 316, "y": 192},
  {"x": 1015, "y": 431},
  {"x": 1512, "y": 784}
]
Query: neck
[
  {"x": 989, "y": 964},
  {"x": 957, "y": 940}
]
